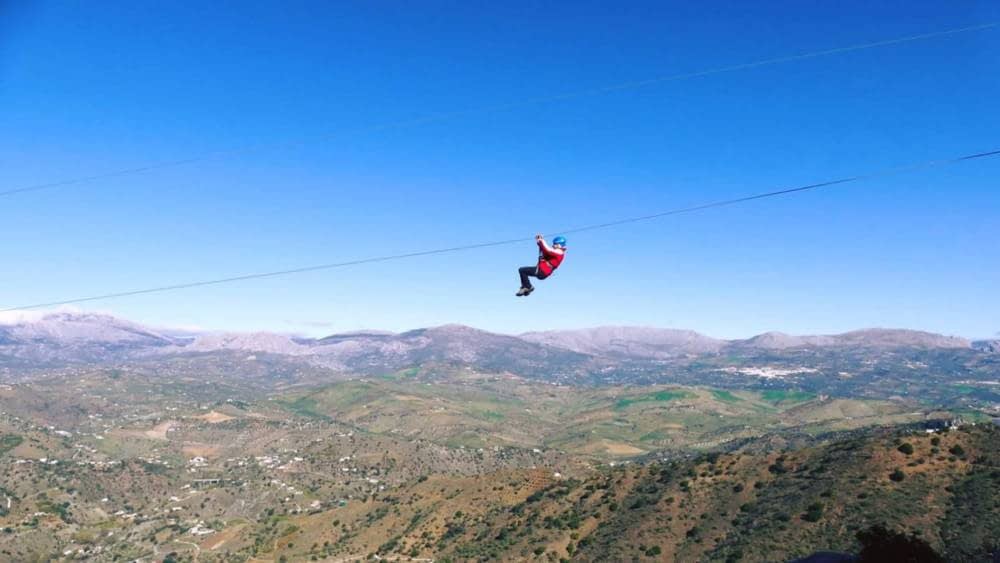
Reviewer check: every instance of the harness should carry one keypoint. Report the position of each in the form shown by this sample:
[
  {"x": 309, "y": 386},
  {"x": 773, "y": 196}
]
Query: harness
[{"x": 543, "y": 259}]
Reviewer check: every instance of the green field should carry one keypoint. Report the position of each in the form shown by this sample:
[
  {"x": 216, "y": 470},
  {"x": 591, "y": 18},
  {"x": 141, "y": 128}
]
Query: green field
[
  {"x": 784, "y": 396},
  {"x": 303, "y": 406},
  {"x": 725, "y": 396}
]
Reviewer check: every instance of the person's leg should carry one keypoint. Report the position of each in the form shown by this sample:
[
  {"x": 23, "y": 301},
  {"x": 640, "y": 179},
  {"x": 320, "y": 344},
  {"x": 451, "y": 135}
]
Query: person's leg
[{"x": 525, "y": 273}]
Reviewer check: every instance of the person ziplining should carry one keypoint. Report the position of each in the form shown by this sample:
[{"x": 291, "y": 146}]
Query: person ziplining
[{"x": 549, "y": 258}]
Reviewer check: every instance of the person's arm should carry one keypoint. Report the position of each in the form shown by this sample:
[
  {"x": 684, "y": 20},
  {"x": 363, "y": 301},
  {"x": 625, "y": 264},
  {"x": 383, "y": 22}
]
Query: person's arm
[{"x": 546, "y": 249}]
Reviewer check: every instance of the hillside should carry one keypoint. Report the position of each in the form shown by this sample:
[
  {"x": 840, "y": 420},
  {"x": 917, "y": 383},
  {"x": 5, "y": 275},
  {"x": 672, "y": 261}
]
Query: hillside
[
  {"x": 237, "y": 456},
  {"x": 469, "y": 409},
  {"x": 732, "y": 507},
  {"x": 346, "y": 496}
]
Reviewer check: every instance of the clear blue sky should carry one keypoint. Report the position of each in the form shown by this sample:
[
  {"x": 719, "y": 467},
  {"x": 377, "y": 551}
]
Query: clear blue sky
[{"x": 90, "y": 87}]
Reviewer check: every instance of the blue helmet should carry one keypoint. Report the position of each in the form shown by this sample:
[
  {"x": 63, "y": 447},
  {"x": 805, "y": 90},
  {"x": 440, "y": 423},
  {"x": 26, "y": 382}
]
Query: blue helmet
[{"x": 559, "y": 241}]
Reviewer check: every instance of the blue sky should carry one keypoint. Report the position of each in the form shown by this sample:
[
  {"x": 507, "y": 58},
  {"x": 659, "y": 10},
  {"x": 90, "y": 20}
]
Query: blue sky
[{"x": 87, "y": 88}]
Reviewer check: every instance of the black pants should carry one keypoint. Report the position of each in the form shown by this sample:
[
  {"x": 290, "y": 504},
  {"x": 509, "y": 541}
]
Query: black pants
[{"x": 530, "y": 271}]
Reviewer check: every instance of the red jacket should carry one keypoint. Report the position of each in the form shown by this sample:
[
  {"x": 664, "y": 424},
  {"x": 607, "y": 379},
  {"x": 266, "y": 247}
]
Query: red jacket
[{"x": 549, "y": 258}]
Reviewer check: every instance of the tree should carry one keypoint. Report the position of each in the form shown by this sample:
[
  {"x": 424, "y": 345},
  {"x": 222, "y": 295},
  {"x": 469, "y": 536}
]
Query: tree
[{"x": 814, "y": 512}]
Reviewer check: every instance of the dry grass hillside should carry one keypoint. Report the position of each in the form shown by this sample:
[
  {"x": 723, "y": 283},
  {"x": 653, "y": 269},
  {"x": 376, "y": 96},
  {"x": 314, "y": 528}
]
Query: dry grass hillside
[{"x": 741, "y": 506}]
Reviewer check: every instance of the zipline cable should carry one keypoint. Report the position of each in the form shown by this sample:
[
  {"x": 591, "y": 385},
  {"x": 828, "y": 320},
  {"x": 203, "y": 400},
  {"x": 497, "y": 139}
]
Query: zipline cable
[
  {"x": 722, "y": 203},
  {"x": 434, "y": 118}
]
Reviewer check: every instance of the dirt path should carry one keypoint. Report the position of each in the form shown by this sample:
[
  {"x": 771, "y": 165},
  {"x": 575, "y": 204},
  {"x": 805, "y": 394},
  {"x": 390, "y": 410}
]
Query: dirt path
[
  {"x": 197, "y": 548},
  {"x": 159, "y": 432}
]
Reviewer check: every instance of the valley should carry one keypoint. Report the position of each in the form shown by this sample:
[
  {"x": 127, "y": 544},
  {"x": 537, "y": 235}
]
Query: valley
[{"x": 133, "y": 453}]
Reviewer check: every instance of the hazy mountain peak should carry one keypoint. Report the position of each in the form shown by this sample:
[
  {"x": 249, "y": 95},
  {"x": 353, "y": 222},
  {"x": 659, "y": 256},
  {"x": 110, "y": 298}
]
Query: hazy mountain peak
[
  {"x": 640, "y": 342},
  {"x": 865, "y": 338},
  {"x": 251, "y": 342},
  {"x": 454, "y": 328},
  {"x": 901, "y": 338},
  {"x": 991, "y": 346},
  {"x": 780, "y": 341},
  {"x": 70, "y": 326}
]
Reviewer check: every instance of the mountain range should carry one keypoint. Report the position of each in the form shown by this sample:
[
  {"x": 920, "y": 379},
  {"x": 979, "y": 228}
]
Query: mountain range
[{"x": 73, "y": 337}]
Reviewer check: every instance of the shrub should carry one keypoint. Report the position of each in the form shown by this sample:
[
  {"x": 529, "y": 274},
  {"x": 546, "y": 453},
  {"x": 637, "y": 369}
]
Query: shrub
[
  {"x": 906, "y": 448},
  {"x": 535, "y": 497},
  {"x": 956, "y": 450},
  {"x": 813, "y": 512},
  {"x": 897, "y": 475}
]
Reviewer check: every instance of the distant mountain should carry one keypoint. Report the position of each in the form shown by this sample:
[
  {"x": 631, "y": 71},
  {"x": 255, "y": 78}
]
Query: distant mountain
[
  {"x": 628, "y": 342},
  {"x": 894, "y": 338},
  {"x": 250, "y": 342},
  {"x": 990, "y": 346},
  {"x": 449, "y": 344},
  {"x": 70, "y": 328},
  {"x": 877, "y": 338},
  {"x": 75, "y": 337},
  {"x": 653, "y": 343},
  {"x": 782, "y": 341},
  {"x": 357, "y": 334},
  {"x": 614, "y": 353}
]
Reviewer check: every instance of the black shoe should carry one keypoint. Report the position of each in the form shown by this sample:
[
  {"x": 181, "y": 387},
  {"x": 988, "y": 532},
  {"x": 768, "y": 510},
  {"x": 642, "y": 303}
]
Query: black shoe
[
  {"x": 521, "y": 292},
  {"x": 528, "y": 291}
]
